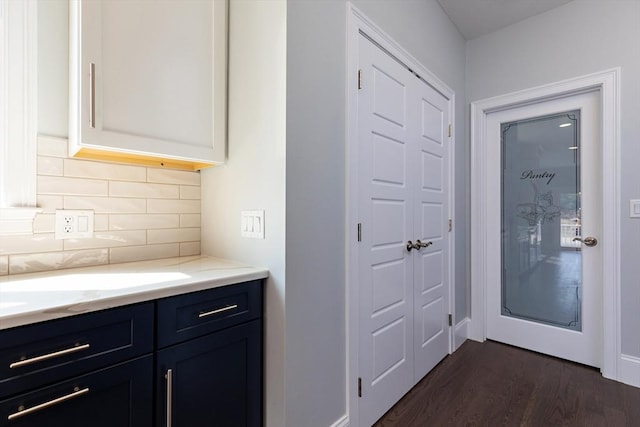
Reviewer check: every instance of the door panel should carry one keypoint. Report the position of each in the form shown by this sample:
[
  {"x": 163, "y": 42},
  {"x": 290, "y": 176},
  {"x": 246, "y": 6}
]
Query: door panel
[
  {"x": 431, "y": 205},
  {"x": 543, "y": 290},
  {"x": 403, "y": 195},
  {"x": 386, "y": 272}
]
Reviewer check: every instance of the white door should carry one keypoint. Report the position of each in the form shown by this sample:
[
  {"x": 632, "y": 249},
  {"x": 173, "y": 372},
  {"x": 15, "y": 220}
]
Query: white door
[
  {"x": 403, "y": 194},
  {"x": 543, "y": 225},
  {"x": 431, "y": 224}
]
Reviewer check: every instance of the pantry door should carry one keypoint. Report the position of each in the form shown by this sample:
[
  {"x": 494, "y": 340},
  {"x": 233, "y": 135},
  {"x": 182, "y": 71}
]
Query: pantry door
[
  {"x": 403, "y": 209},
  {"x": 544, "y": 226}
]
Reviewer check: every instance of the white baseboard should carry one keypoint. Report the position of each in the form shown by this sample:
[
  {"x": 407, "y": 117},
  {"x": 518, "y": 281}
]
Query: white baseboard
[
  {"x": 342, "y": 422},
  {"x": 461, "y": 333},
  {"x": 629, "y": 370}
]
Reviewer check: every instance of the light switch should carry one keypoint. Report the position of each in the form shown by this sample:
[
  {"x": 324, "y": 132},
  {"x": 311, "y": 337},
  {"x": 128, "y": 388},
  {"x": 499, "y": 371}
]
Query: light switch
[
  {"x": 252, "y": 224},
  {"x": 634, "y": 208}
]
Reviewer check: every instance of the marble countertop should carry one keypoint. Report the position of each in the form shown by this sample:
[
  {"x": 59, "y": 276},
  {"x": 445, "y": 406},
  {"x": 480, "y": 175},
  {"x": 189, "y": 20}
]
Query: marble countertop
[{"x": 36, "y": 297}]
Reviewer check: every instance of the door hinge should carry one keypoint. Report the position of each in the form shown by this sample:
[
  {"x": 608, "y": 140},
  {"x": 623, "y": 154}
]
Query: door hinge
[
  {"x": 450, "y": 320},
  {"x": 450, "y": 224},
  {"x": 450, "y": 130},
  {"x": 359, "y": 387},
  {"x": 359, "y": 79},
  {"x": 359, "y": 232}
]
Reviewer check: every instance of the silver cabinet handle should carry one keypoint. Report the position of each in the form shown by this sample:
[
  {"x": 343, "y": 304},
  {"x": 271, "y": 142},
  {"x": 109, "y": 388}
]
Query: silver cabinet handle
[
  {"x": 92, "y": 95},
  {"x": 420, "y": 244},
  {"x": 169, "y": 377},
  {"x": 219, "y": 310},
  {"x": 411, "y": 245},
  {"x": 48, "y": 356},
  {"x": 22, "y": 412},
  {"x": 588, "y": 241}
]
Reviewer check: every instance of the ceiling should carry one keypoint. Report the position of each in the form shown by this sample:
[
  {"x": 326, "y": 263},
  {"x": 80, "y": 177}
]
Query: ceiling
[{"x": 475, "y": 18}]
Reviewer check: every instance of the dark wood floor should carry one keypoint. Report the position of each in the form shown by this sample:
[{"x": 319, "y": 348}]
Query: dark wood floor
[{"x": 492, "y": 384}]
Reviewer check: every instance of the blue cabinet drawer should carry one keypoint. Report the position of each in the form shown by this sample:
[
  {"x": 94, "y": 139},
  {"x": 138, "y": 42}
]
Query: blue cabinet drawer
[
  {"x": 43, "y": 353},
  {"x": 188, "y": 316},
  {"x": 117, "y": 396}
]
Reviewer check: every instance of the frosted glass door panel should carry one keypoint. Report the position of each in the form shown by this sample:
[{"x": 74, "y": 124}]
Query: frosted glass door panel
[{"x": 541, "y": 261}]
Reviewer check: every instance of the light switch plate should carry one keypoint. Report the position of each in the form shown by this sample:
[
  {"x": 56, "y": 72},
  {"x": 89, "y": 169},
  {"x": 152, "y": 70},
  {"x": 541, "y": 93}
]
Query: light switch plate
[
  {"x": 252, "y": 224},
  {"x": 634, "y": 208}
]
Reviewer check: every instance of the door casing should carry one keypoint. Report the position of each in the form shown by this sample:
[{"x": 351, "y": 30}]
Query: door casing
[
  {"x": 359, "y": 23},
  {"x": 607, "y": 84}
]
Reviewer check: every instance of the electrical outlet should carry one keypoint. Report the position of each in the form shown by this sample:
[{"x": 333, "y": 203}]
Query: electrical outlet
[{"x": 73, "y": 224}]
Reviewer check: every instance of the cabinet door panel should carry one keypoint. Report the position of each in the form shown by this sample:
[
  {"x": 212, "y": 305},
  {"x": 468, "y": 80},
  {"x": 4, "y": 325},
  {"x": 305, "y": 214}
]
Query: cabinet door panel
[
  {"x": 117, "y": 396},
  {"x": 151, "y": 94},
  {"x": 216, "y": 380}
]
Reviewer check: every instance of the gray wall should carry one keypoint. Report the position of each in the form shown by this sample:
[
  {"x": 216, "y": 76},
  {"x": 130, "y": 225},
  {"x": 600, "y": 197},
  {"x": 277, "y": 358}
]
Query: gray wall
[
  {"x": 579, "y": 38},
  {"x": 315, "y": 261}
]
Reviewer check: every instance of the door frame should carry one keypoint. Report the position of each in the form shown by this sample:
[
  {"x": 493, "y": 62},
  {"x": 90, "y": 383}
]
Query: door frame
[
  {"x": 358, "y": 23},
  {"x": 607, "y": 83}
]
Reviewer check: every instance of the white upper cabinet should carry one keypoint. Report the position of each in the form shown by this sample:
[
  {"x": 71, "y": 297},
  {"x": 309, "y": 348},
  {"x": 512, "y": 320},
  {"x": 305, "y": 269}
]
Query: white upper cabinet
[{"x": 148, "y": 81}]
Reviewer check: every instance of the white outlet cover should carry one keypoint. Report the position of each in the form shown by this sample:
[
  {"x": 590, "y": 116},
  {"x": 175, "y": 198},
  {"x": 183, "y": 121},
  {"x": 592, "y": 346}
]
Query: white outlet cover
[{"x": 73, "y": 224}]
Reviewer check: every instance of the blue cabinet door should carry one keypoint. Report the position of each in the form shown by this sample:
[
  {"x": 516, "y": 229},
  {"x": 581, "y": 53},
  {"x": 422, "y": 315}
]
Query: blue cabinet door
[
  {"x": 211, "y": 381},
  {"x": 121, "y": 395}
]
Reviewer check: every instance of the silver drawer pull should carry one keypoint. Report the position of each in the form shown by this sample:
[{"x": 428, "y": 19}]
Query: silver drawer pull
[
  {"x": 92, "y": 95},
  {"x": 169, "y": 377},
  {"x": 220, "y": 310},
  {"x": 36, "y": 408},
  {"x": 48, "y": 356}
]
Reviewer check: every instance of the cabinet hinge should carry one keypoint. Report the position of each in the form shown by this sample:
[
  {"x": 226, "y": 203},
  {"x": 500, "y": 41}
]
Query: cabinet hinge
[
  {"x": 359, "y": 79},
  {"x": 450, "y": 130},
  {"x": 359, "y": 232},
  {"x": 359, "y": 387},
  {"x": 450, "y": 224},
  {"x": 450, "y": 320}
]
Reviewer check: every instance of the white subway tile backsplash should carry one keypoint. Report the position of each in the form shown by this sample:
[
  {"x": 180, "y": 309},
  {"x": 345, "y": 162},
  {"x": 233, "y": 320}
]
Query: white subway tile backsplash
[
  {"x": 30, "y": 263},
  {"x": 44, "y": 223},
  {"x": 50, "y": 166},
  {"x": 189, "y": 248},
  {"x": 108, "y": 239},
  {"x": 99, "y": 170},
  {"x": 169, "y": 176},
  {"x": 140, "y": 213},
  {"x": 106, "y": 204},
  {"x": 173, "y": 235},
  {"x": 190, "y": 220},
  {"x": 145, "y": 190},
  {"x": 4, "y": 265},
  {"x": 49, "y": 204},
  {"x": 173, "y": 206},
  {"x": 143, "y": 221},
  {"x": 143, "y": 253},
  {"x": 52, "y": 146},
  {"x": 72, "y": 186},
  {"x": 101, "y": 222},
  {"x": 20, "y": 244},
  {"x": 190, "y": 192}
]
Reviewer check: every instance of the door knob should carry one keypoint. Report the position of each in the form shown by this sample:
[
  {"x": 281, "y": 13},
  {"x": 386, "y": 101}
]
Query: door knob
[
  {"x": 411, "y": 245},
  {"x": 588, "y": 241},
  {"x": 420, "y": 244}
]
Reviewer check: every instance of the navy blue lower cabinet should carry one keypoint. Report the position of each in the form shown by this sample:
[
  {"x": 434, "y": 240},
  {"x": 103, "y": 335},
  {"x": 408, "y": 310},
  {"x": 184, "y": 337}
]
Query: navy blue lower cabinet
[
  {"x": 118, "y": 396},
  {"x": 210, "y": 381}
]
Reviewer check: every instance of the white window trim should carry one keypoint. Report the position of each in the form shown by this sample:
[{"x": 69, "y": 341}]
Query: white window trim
[{"x": 18, "y": 115}]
